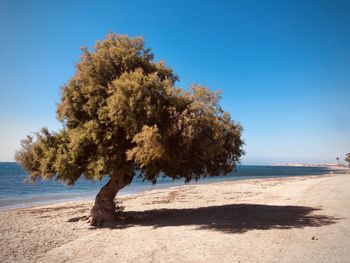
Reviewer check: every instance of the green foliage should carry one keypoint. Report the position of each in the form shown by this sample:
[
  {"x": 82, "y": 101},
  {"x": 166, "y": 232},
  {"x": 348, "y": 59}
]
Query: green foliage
[
  {"x": 347, "y": 158},
  {"x": 121, "y": 112}
]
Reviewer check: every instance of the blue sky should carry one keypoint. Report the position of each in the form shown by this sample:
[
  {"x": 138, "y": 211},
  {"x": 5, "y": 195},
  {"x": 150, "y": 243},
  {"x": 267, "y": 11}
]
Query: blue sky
[{"x": 283, "y": 66}]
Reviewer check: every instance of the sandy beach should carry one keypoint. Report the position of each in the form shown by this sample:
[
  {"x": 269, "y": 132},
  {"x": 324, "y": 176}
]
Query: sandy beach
[{"x": 298, "y": 219}]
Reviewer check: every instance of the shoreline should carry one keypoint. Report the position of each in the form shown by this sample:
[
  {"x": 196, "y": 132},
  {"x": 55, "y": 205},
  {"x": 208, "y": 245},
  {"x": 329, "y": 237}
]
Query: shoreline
[
  {"x": 18, "y": 195},
  {"x": 233, "y": 221},
  {"x": 85, "y": 197}
]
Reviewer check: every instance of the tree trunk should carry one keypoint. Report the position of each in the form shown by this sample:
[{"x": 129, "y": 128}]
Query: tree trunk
[{"x": 104, "y": 209}]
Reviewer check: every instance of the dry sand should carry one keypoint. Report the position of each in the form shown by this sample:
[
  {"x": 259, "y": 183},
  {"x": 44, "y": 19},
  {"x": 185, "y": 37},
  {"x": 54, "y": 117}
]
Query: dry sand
[{"x": 300, "y": 219}]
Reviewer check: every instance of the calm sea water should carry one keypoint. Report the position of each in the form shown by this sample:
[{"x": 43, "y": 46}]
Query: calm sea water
[{"x": 15, "y": 193}]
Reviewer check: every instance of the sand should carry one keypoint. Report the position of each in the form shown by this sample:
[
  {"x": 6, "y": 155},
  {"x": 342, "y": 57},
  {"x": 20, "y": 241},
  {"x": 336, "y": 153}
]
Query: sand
[{"x": 299, "y": 219}]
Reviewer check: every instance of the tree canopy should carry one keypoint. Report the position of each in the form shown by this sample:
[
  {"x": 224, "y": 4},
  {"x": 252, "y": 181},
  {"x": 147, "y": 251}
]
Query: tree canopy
[
  {"x": 347, "y": 158},
  {"x": 121, "y": 112}
]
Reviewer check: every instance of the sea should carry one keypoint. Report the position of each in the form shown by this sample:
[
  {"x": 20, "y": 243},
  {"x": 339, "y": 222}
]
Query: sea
[{"x": 16, "y": 192}]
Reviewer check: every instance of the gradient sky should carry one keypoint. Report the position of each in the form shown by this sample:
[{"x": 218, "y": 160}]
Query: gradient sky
[{"x": 283, "y": 66}]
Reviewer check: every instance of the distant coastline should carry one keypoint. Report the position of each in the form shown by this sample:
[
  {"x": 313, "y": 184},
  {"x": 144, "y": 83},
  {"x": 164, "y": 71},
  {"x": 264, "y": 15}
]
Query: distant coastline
[
  {"x": 325, "y": 165},
  {"x": 332, "y": 165}
]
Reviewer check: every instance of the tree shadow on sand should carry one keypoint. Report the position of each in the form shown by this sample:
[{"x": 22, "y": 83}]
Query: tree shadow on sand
[{"x": 234, "y": 218}]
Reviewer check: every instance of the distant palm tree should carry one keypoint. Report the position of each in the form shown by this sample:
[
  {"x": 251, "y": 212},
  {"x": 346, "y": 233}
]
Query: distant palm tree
[{"x": 338, "y": 161}]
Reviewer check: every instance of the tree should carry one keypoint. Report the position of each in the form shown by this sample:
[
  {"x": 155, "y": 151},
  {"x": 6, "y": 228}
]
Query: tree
[
  {"x": 338, "y": 160},
  {"x": 122, "y": 113},
  {"x": 347, "y": 158}
]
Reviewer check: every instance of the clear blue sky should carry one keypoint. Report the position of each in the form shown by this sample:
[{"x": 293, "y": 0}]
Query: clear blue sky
[{"x": 283, "y": 66}]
